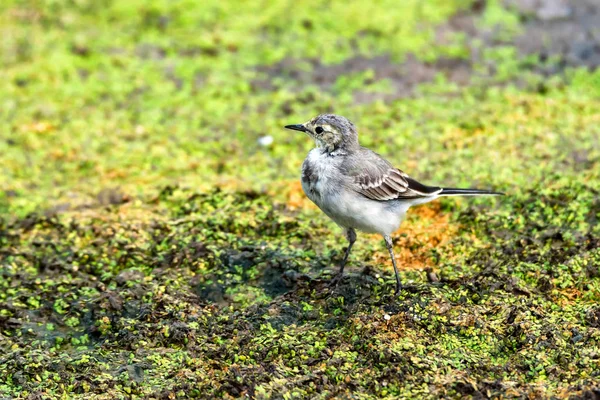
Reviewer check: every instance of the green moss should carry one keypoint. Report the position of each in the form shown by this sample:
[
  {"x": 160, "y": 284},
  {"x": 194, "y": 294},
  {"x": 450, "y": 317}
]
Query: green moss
[{"x": 151, "y": 247}]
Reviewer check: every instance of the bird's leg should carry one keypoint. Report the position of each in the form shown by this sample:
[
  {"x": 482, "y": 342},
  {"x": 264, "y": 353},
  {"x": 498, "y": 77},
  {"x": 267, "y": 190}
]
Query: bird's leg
[
  {"x": 389, "y": 245},
  {"x": 351, "y": 236}
]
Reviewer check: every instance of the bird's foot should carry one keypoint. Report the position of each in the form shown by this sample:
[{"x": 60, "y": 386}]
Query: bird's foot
[
  {"x": 334, "y": 282},
  {"x": 331, "y": 286},
  {"x": 398, "y": 287}
]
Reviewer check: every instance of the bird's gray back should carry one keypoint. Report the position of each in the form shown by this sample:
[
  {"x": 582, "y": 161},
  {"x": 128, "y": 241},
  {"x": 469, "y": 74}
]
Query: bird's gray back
[
  {"x": 374, "y": 177},
  {"x": 364, "y": 163}
]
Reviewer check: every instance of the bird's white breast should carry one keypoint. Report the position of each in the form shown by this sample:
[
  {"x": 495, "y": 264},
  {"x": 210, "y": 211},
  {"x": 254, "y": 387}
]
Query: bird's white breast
[
  {"x": 331, "y": 191},
  {"x": 318, "y": 172}
]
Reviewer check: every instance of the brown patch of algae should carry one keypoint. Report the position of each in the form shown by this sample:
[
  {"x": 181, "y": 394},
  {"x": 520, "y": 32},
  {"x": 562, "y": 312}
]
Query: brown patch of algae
[{"x": 428, "y": 228}]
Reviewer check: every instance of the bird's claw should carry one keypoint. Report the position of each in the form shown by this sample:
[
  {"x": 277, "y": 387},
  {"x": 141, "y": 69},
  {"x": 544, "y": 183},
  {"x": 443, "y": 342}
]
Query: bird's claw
[
  {"x": 334, "y": 282},
  {"x": 398, "y": 289}
]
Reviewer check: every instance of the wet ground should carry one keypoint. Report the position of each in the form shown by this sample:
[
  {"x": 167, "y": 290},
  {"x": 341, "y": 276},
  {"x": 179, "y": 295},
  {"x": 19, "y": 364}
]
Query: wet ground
[
  {"x": 553, "y": 35},
  {"x": 177, "y": 290}
]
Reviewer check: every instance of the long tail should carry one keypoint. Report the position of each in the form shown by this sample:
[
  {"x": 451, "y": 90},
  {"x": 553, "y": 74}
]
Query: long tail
[{"x": 468, "y": 192}]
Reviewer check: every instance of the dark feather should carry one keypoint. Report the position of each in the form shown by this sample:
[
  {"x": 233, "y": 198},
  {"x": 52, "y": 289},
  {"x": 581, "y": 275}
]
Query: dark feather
[
  {"x": 420, "y": 188},
  {"x": 469, "y": 192}
]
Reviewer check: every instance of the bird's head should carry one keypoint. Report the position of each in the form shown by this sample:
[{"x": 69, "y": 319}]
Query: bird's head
[{"x": 330, "y": 132}]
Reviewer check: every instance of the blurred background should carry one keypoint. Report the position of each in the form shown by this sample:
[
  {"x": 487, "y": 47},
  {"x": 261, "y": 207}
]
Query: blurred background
[
  {"x": 155, "y": 241},
  {"x": 142, "y": 94}
]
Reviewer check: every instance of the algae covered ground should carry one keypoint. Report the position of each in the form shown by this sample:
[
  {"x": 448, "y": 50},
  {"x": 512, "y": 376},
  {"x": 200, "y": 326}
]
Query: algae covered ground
[{"x": 153, "y": 244}]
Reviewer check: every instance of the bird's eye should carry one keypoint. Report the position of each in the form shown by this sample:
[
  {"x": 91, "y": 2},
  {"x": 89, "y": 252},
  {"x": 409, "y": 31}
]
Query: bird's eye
[{"x": 318, "y": 129}]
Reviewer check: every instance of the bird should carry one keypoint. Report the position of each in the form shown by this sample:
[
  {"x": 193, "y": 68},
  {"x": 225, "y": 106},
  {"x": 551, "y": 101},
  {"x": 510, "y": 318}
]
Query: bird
[{"x": 359, "y": 189}]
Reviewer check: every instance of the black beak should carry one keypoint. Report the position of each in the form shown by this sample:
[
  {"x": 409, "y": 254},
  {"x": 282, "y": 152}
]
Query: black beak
[{"x": 298, "y": 127}]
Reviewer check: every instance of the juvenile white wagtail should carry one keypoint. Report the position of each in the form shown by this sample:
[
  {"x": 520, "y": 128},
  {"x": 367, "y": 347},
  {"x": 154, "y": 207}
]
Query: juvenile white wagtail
[{"x": 359, "y": 189}]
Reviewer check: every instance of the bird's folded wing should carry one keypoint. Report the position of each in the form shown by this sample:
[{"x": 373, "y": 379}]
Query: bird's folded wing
[
  {"x": 375, "y": 178},
  {"x": 391, "y": 184}
]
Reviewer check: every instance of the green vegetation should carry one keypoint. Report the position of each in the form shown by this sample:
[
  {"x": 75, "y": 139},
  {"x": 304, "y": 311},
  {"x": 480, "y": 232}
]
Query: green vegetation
[{"x": 150, "y": 246}]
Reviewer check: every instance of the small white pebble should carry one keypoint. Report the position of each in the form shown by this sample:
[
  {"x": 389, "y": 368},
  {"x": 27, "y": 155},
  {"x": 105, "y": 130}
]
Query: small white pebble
[
  {"x": 265, "y": 141},
  {"x": 387, "y": 317}
]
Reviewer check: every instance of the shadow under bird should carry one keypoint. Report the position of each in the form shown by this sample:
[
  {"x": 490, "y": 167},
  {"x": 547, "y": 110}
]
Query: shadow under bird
[{"x": 357, "y": 188}]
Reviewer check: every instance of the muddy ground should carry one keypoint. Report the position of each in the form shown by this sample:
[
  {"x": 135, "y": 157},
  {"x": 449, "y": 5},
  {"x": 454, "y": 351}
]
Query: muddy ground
[
  {"x": 194, "y": 283},
  {"x": 554, "y": 35}
]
